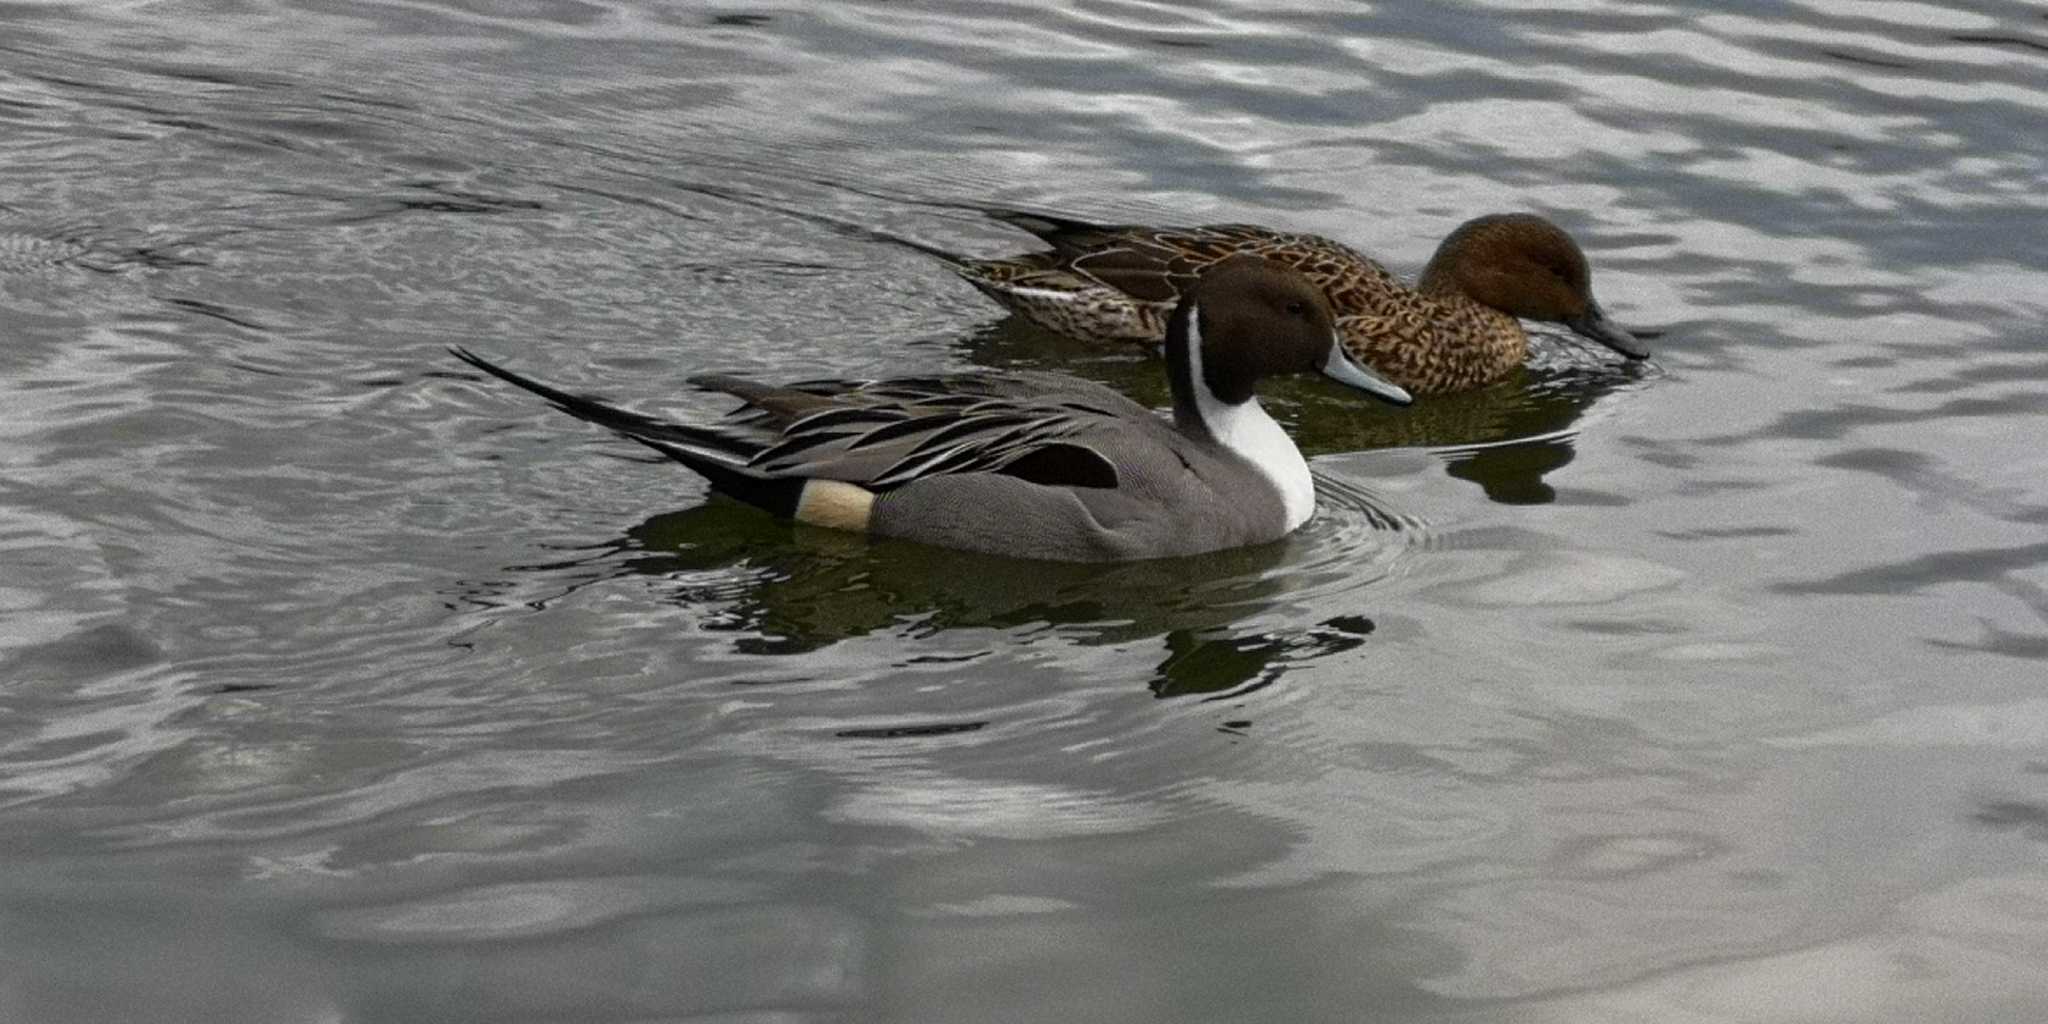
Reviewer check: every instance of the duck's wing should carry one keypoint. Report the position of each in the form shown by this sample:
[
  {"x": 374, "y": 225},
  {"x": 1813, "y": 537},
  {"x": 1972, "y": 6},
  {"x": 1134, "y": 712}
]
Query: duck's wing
[
  {"x": 881, "y": 434},
  {"x": 888, "y": 433},
  {"x": 1159, "y": 264},
  {"x": 1152, "y": 264},
  {"x": 1070, "y": 238},
  {"x": 781, "y": 405}
]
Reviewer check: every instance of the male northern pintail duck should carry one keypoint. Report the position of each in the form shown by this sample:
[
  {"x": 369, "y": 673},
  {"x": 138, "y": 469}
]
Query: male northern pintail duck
[
  {"x": 1455, "y": 329},
  {"x": 1035, "y": 465}
]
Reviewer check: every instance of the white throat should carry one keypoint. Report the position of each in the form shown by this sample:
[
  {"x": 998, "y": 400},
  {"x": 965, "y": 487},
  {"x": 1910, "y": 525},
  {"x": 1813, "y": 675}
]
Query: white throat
[{"x": 1246, "y": 430}]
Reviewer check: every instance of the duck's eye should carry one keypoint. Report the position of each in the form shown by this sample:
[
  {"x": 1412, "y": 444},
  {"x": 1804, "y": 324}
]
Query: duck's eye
[{"x": 1295, "y": 307}]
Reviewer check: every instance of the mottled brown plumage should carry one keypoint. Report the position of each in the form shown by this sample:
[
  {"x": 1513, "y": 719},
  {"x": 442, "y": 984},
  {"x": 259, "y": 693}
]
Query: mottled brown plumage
[{"x": 1456, "y": 329}]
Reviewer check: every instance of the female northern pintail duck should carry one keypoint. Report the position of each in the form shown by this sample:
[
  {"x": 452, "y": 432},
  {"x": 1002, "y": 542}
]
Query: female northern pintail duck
[
  {"x": 1035, "y": 465},
  {"x": 1455, "y": 329}
]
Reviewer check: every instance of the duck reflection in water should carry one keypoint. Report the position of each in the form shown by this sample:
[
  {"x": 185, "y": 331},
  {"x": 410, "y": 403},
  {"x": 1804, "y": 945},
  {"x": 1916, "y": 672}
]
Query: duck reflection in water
[{"x": 789, "y": 589}]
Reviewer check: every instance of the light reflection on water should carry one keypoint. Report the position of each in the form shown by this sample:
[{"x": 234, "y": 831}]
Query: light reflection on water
[{"x": 341, "y": 686}]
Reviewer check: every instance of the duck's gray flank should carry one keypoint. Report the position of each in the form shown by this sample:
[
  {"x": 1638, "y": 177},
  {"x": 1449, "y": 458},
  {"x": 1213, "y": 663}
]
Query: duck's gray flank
[{"x": 1033, "y": 465}]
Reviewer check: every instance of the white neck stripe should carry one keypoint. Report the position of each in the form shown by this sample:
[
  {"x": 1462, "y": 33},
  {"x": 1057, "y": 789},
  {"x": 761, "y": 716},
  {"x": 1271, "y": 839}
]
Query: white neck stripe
[{"x": 1252, "y": 435}]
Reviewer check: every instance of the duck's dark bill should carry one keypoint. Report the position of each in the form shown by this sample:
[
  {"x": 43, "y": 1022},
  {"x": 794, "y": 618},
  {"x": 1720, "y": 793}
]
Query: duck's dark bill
[
  {"x": 1595, "y": 325},
  {"x": 1340, "y": 368}
]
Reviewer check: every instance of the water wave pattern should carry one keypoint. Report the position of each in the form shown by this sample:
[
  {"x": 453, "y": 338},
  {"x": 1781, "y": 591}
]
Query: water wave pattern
[{"x": 340, "y": 684}]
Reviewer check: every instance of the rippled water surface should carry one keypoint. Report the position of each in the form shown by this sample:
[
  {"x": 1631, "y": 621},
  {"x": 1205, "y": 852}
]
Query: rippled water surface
[{"x": 340, "y": 684}]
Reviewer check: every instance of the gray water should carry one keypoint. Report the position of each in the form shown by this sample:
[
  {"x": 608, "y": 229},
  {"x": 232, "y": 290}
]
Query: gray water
[{"x": 339, "y": 684}]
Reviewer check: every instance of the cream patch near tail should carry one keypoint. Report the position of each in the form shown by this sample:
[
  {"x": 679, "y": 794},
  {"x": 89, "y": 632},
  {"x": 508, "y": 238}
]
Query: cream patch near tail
[{"x": 836, "y": 505}]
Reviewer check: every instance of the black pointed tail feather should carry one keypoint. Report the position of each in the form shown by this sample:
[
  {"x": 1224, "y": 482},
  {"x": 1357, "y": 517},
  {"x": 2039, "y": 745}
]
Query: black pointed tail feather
[
  {"x": 985, "y": 276},
  {"x": 678, "y": 441},
  {"x": 1048, "y": 227},
  {"x": 645, "y": 429},
  {"x": 776, "y": 495}
]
